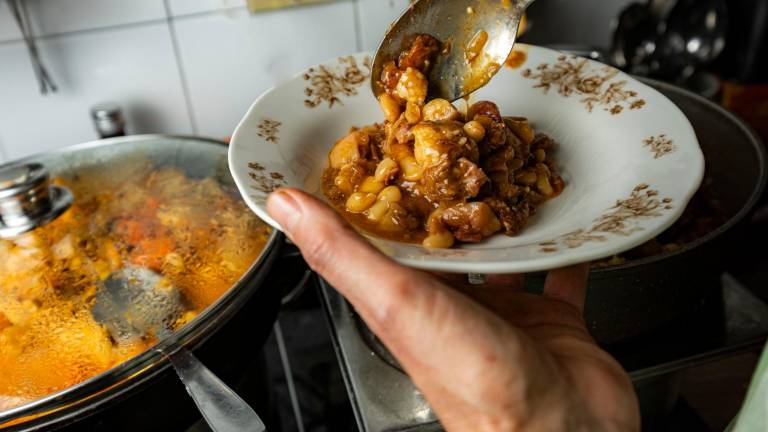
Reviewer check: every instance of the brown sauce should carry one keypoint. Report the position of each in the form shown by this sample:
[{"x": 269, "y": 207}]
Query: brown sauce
[{"x": 516, "y": 59}]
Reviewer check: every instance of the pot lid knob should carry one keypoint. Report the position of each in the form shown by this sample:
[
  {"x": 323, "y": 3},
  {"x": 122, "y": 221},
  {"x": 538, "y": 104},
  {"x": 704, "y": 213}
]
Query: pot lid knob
[{"x": 27, "y": 200}]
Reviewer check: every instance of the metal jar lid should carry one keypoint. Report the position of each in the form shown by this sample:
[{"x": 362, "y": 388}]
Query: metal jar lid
[
  {"x": 27, "y": 200},
  {"x": 108, "y": 119}
]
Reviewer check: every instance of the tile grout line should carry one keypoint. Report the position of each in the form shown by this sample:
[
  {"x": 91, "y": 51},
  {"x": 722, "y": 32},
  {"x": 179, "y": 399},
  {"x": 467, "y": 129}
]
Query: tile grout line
[
  {"x": 180, "y": 68},
  {"x": 120, "y": 26},
  {"x": 5, "y": 153},
  {"x": 89, "y": 30},
  {"x": 168, "y": 17},
  {"x": 358, "y": 17}
]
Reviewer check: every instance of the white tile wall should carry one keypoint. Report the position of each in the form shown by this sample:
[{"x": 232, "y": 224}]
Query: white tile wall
[
  {"x": 134, "y": 67},
  {"x": 187, "y": 7},
  {"x": 124, "y": 50},
  {"x": 375, "y": 17},
  {"x": 61, "y": 16},
  {"x": 250, "y": 53}
]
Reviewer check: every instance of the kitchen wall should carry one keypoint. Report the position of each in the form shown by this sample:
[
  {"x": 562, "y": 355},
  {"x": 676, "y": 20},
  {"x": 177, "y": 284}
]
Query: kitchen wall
[{"x": 183, "y": 66}]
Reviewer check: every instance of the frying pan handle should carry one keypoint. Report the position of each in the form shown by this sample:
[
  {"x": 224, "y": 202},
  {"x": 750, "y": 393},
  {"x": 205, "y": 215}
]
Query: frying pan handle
[{"x": 222, "y": 408}]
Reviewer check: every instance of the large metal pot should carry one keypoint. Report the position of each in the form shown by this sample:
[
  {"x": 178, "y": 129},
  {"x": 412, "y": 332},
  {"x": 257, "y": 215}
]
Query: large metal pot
[
  {"x": 644, "y": 295},
  {"x": 249, "y": 307}
]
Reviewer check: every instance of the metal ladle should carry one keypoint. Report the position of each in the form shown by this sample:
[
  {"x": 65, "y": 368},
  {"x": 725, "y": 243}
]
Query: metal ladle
[
  {"x": 134, "y": 302},
  {"x": 695, "y": 36},
  {"x": 455, "y": 23},
  {"x": 669, "y": 39}
]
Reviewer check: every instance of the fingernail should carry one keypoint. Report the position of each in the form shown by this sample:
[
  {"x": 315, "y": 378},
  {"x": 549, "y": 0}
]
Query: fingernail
[{"x": 284, "y": 209}]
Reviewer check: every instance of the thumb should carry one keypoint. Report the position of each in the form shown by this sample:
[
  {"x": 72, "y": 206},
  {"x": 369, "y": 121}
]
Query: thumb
[
  {"x": 419, "y": 319},
  {"x": 340, "y": 255}
]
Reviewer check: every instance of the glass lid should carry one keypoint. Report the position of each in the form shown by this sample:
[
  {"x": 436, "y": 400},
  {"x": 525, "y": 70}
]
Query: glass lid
[{"x": 108, "y": 247}]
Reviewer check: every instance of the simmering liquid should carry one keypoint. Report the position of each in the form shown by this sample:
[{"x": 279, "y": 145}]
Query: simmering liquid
[{"x": 192, "y": 231}]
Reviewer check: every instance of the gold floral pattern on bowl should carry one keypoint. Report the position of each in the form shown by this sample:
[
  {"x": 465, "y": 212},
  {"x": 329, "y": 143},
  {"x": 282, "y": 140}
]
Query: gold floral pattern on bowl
[
  {"x": 621, "y": 219},
  {"x": 325, "y": 85},
  {"x": 660, "y": 145},
  {"x": 264, "y": 181},
  {"x": 269, "y": 130},
  {"x": 573, "y": 75}
]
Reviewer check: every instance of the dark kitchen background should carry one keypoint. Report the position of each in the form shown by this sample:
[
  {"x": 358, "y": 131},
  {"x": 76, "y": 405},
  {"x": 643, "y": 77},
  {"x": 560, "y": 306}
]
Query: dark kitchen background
[{"x": 192, "y": 67}]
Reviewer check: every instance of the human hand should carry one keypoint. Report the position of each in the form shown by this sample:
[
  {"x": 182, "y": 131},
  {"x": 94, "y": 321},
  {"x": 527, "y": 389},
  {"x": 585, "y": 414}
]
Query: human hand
[{"x": 489, "y": 358}]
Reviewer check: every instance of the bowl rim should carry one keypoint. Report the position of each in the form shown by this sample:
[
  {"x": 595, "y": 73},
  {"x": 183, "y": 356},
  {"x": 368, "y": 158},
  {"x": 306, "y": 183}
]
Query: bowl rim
[{"x": 537, "y": 264}]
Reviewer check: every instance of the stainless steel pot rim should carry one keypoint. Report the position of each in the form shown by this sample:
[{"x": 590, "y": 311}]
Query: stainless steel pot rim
[
  {"x": 126, "y": 375},
  {"x": 757, "y": 192}
]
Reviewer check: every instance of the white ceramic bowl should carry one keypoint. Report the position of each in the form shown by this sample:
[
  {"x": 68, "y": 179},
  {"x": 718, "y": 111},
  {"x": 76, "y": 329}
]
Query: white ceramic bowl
[{"x": 628, "y": 155}]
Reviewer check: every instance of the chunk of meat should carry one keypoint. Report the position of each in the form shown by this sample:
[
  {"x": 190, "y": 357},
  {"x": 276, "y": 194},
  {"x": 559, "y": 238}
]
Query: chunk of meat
[
  {"x": 522, "y": 150},
  {"x": 438, "y": 183},
  {"x": 403, "y": 132},
  {"x": 470, "y": 222},
  {"x": 434, "y": 139},
  {"x": 471, "y": 178},
  {"x": 498, "y": 161},
  {"x": 495, "y": 136},
  {"x": 484, "y": 108},
  {"x": 390, "y": 75},
  {"x": 521, "y": 128},
  {"x": 421, "y": 54},
  {"x": 452, "y": 181},
  {"x": 498, "y": 166},
  {"x": 513, "y": 217},
  {"x": 487, "y": 113}
]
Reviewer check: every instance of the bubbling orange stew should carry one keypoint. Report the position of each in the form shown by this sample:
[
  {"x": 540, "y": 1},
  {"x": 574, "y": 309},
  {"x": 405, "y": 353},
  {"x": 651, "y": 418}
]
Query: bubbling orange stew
[
  {"x": 193, "y": 232},
  {"x": 434, "y": 175}
]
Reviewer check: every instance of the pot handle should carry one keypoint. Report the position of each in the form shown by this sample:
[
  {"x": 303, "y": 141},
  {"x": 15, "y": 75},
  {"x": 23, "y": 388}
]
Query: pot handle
[{"x": 222, "y": 408}]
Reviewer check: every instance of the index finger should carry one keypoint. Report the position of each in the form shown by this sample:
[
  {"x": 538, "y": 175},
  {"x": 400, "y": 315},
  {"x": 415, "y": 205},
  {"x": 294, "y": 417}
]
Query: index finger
[
  {"x": 404, "y": 307},
  {"x": 333, "y": 249}
]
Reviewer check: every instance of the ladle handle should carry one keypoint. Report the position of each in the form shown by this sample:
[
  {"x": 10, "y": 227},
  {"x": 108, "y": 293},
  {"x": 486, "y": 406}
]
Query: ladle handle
[{"x": 221, "y": 407}]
